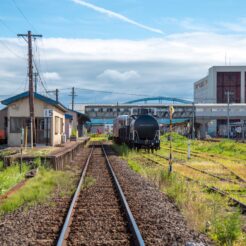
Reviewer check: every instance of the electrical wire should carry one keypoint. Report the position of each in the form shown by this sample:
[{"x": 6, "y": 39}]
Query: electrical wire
[
  {"x": 23, "y": 15},
  {"x": 7, "y": 26},
  {"x": 111, "y": 92},
  {"x": 10, "y": 50}
]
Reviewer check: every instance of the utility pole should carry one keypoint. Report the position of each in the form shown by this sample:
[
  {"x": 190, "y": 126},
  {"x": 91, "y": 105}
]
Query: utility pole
[
  {"x": 56, "y": 91},
  {"x": 73, "y": 95},
  {"x": 57, "y": 95},
  {"x": 29, "y": 36},
  {"x": 228, "y": 94},
  {"x": 193, "y": 120},
  {"x": 36, "y": 81}
]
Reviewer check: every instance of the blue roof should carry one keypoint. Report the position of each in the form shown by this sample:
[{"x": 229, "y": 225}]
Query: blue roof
[
  {"x": 161, "y": 121},
  {"x": 174, "y": 121},
  {"x": 101, "y": 121},
  {"x": 68, "y": 116},
  {"x": 37, "y": 96}
]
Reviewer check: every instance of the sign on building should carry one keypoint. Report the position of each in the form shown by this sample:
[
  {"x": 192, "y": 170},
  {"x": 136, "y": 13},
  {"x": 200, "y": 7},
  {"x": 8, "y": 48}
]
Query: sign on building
[{"x": 48, "y": 113}]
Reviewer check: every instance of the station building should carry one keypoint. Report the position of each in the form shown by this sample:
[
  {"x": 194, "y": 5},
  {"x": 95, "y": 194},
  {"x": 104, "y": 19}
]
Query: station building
[
  {"x": 222, "y": 83},
  {"x": 49, "y": 119}
]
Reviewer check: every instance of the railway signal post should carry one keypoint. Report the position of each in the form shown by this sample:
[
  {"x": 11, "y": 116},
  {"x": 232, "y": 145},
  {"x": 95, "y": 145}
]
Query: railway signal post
[{"x": 171, "y": 112}]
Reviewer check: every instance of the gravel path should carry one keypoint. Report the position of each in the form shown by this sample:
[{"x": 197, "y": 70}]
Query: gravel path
[{"x": 158, "y": 218}]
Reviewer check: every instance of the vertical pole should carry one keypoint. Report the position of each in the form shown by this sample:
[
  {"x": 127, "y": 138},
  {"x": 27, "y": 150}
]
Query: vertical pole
[
  {"x": 228, "y": 114},
  {"x": 73, "y": 95},
  {"x": 193, "y": 120},
  {"x": 170, "y": 169},
  {"x": 29, "y": 36},
  {"x": 36, "y": 82},
  {"x": 31, "y": 93},
  {"x": 188, "y": 155},
  {"x": 117, "y": 108},
  {"x": 57, "y": 95}
]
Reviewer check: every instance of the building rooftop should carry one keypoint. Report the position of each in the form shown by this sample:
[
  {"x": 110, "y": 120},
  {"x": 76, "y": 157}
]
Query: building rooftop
[{"x": 37, "y": 96}]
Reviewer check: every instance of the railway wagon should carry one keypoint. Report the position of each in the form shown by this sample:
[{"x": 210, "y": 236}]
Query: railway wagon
[{"x": 137, "y": 131}]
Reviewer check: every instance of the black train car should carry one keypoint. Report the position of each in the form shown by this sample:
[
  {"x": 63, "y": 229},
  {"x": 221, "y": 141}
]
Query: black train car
[{"x": 137, "y": 131}]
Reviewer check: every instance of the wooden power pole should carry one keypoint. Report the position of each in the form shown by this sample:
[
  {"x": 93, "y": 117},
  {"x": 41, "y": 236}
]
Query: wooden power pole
[
  {"x": 29, "y": 36},
  {"x": 73, "y": 95}
]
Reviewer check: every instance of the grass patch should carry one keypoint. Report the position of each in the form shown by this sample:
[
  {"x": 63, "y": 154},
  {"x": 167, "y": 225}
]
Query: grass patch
[
  {"x": 39, "y": 189},
  {"x": 88, "y": 182},
  {"x": 1, "y": 166},
  {"x": 226, "y": 147},
  {"x": 98, "y": 137},
  {"x": 204, "y": 212},
  {"x": 10, "y": 176}
]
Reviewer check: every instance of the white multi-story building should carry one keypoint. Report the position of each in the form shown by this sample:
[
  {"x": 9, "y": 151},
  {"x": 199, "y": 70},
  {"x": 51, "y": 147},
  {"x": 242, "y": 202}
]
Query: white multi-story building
[
  {"x": 221, "y": 79},
  {"x": 223, "y": 84}
]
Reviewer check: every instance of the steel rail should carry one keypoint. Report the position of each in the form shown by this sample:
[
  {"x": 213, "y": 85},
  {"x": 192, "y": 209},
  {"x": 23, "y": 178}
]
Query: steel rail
[
  {"x": 201, "y": 171},
  {"x": 138, "y": 240},
  {"x": 64, "y": 231},
  {"x": 210, "y": 188}
]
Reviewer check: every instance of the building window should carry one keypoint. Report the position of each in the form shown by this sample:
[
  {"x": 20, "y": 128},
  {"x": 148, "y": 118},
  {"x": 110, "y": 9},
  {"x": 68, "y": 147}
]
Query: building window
[
  {"x": 16, "y": 123},
  {"x": 229, "y": 81},
  {"x": 61, "y": 126},
  {"x": 57, "y": 123}
]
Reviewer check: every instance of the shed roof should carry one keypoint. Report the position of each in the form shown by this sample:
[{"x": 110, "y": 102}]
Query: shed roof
[
  {"x": 81, "y": 117},
  {"x": 37, "y": 96}
]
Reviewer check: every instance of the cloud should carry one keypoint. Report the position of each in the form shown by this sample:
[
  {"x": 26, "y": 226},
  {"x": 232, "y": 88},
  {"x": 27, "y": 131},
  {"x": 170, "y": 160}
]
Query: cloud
[
  {"x": 115, "y": 75},
  {"x": 165, "y": 66},
  {"x": 115, "y": 15},
  {"x": 51, "y": 76},
  {"x": 238, "y": 26}
]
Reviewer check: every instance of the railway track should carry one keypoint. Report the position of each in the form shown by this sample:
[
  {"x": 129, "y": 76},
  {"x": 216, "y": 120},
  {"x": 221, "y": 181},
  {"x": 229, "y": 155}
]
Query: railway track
[
  {"x": 205, "y": 172},
  {"x": 234, "y": 202},
  {"x": 211, "y": 157},
  {"x": 99, "y": 213}
]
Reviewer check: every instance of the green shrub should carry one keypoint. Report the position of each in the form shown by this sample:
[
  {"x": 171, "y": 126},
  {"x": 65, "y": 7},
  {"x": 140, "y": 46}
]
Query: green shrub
[
  {"x": 10, "y": 176},
  {"x": 74, "y": 132},
  {"x": 227, "y": 229}
]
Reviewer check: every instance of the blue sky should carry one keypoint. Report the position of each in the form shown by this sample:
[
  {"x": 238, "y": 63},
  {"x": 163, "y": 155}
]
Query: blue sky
[
  {"x": 66, "y": 19},
  {"x": 132, "y": 46}
]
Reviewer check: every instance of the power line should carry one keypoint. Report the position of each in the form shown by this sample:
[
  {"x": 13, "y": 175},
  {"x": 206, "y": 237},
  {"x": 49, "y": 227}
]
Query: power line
[
  {"x": 112, "y": 92},
  {"x": 6, "y": 26},
  {"x": 23, "y": 15},
  {"x": 10, "y": 50},
  {"x": 40, "y": 78}
]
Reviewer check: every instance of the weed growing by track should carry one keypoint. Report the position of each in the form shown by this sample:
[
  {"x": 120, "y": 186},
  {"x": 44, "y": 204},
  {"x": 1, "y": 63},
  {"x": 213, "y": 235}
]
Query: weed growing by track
[
  {"x": 88, "y": 182},
  {"x": 98, "y": 137},
  {"x": 10, "y": 176},
  {"x": 1, "y": 166},
  {"x": 39, "y": 189},
  {"x": 205, "y": 212}
]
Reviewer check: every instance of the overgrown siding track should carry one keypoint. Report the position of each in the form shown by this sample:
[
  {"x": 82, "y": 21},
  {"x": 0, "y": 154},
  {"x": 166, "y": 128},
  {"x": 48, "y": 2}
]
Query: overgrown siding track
[
  {"x": 99, "y": 214},
  {"x": 233, "y": 201}
]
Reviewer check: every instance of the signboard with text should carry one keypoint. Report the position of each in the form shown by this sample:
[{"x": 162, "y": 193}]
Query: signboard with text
[{"x": 48, "y": 113}]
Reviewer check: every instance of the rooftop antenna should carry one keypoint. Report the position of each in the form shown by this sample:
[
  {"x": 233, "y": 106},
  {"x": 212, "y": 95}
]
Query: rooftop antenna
[{"x": 225, "y": 59}]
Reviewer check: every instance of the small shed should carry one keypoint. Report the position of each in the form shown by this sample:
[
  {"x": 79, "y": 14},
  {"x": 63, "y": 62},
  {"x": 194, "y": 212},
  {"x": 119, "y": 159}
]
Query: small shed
[
  {"x": 49, "y": 119},
  {"x": 75, "y": 120}
]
